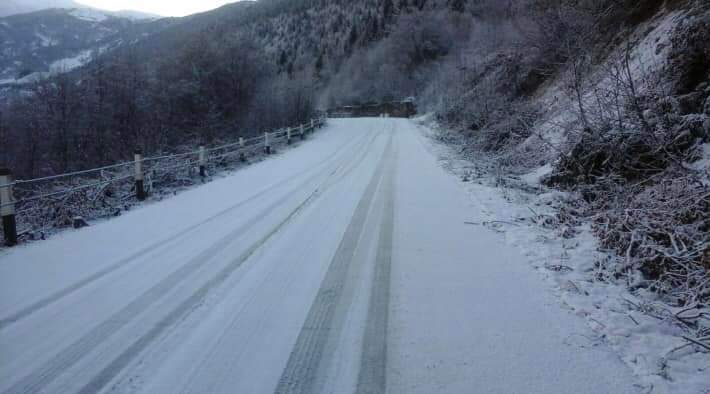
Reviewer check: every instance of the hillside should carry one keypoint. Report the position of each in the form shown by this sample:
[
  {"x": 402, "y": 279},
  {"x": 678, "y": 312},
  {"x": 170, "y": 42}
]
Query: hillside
[
  {"x": 38, "y": 44},
  {"x": 14, "y": 7}
]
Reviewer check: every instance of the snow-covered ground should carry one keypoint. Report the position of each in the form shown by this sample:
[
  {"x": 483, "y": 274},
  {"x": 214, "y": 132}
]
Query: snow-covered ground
[
  {"x": 651, "y": 344},
  {"x": 70, "y": 63},
  {"x": 350, "y": 264},
  {"x": 56, "y": 67}
]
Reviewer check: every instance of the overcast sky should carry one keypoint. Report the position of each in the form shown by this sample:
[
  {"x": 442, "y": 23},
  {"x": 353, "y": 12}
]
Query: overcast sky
[{"x": 160, "y": 7}]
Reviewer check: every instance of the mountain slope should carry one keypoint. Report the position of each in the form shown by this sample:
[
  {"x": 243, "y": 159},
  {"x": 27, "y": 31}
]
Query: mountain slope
[
  {"x": 56, "y": 40},
  {"x": 13, "y": 7}
]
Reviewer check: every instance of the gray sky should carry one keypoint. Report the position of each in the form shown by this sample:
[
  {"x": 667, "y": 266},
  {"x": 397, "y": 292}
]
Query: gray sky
[{"x": 160, "y": 7}]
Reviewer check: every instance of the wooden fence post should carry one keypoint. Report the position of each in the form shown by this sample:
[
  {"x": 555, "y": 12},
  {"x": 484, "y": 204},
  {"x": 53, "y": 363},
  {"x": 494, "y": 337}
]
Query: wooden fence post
[
  {"x": 242, "y": 157},
  {"x": 138, "y": 176},
  {"x": 312, "y": 126},
  {"x": 267, "y": 144},
  {"x": 288, "y": 136},
  {"x": 303, "y": 132},
  {"x": 7, "y": 207},
  {"x": 203, "y": 161}
]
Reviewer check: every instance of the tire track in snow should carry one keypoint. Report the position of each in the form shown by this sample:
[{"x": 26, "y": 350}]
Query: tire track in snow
[
  {"x": 23, "y": 313},
  {"x": 65, "y": 359},
  {"x": 73, "y": 353},
  {"x": 305, "y": 364},
  {"x": 338, "y": 175},
  {"x": 57, "y": 296},
  {"x": 107, "y": 374},
  {"x": 372, "y": 378}
]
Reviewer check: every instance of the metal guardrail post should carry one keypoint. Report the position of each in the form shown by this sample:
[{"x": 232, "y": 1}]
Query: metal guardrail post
[
  {"x": 203, "y": 161},
  {"x": 242, "y": 156},
  {"x": 267, "y": 144},
  {"x": 138, "y": 176},
  {"x": 7, "y": 207}
]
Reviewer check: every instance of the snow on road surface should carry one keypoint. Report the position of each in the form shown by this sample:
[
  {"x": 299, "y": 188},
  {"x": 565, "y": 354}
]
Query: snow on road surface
[{"x": 343, "y": 265}]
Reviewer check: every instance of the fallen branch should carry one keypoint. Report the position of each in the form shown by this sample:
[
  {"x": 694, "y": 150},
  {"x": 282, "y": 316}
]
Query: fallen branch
[{"x": 705, "y": 346}]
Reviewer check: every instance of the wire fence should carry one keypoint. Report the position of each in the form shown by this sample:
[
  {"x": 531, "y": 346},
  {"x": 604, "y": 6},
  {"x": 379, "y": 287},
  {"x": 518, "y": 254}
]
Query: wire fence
[{"x": 43, "y": 205}]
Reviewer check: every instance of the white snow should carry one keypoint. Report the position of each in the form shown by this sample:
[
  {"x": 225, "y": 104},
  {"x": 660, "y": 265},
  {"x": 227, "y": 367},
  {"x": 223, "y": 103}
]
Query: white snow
[
  {"x": 703, "y": 164},
  {"x": 46, "y": 41},
  {"x": 651, "y": 53},
  {"x": 29, "y": 78},
  {"x": 534, "y": 177},
  {"x": 56, "y": 67},
  {"x": 97, "y": 15},
  {"x": 70, "y": 63},
  {"x": 89, "y": 14},
  {"x": 468, "y": 313},
  {"x": 466, "y": 310},
  {"x": 33, "y": 77}
]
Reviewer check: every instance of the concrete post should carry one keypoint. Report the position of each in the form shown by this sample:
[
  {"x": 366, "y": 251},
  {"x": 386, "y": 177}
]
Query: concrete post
[
  {"x": 242, "y": 157},
  {"x": 7, "y": 207},
  {"x": 203, "y": 161},
  {"x": 138, "y": 176},
  {"x": 267, "y": 144},
  {"x": 288, "y": 135}
]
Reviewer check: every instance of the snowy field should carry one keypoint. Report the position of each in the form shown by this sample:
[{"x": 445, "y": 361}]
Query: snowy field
[{"x": 344, "y": 265}]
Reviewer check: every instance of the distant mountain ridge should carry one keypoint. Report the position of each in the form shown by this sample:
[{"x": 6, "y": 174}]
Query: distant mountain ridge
[
  {"x": 36, "y": 44},
  {"x": 14, "y": 7}
]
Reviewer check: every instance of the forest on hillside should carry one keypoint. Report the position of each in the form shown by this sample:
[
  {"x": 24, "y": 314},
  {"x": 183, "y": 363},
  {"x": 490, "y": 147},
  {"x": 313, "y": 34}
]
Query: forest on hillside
[{"x": 251, "y": 67}]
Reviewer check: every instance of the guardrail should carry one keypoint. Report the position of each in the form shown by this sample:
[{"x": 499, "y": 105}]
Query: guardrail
[{"x": 34, "y": 206}]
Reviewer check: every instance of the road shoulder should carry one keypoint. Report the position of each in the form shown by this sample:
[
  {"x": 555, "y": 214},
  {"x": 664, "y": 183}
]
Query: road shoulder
[{"x": 467, "y": 312}]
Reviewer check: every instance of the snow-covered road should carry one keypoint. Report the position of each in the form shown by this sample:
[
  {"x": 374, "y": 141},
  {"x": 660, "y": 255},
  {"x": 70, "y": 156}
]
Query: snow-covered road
[{"x": 343, "y": 265}]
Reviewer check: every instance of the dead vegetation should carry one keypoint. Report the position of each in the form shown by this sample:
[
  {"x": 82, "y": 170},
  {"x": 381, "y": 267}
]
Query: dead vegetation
[
  {"x": 628, "y": 149},
  {"x": 630, "y": 165}
]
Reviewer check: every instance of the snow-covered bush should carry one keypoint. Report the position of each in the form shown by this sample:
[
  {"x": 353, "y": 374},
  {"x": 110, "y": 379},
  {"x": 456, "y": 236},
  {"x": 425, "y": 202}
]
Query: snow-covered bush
[
  {"x": 629, "y": 162},
  {"x": 581, "y": 90}
]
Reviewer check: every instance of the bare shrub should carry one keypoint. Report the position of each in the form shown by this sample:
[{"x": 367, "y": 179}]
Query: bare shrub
[{"x": 629, "y": 163}]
